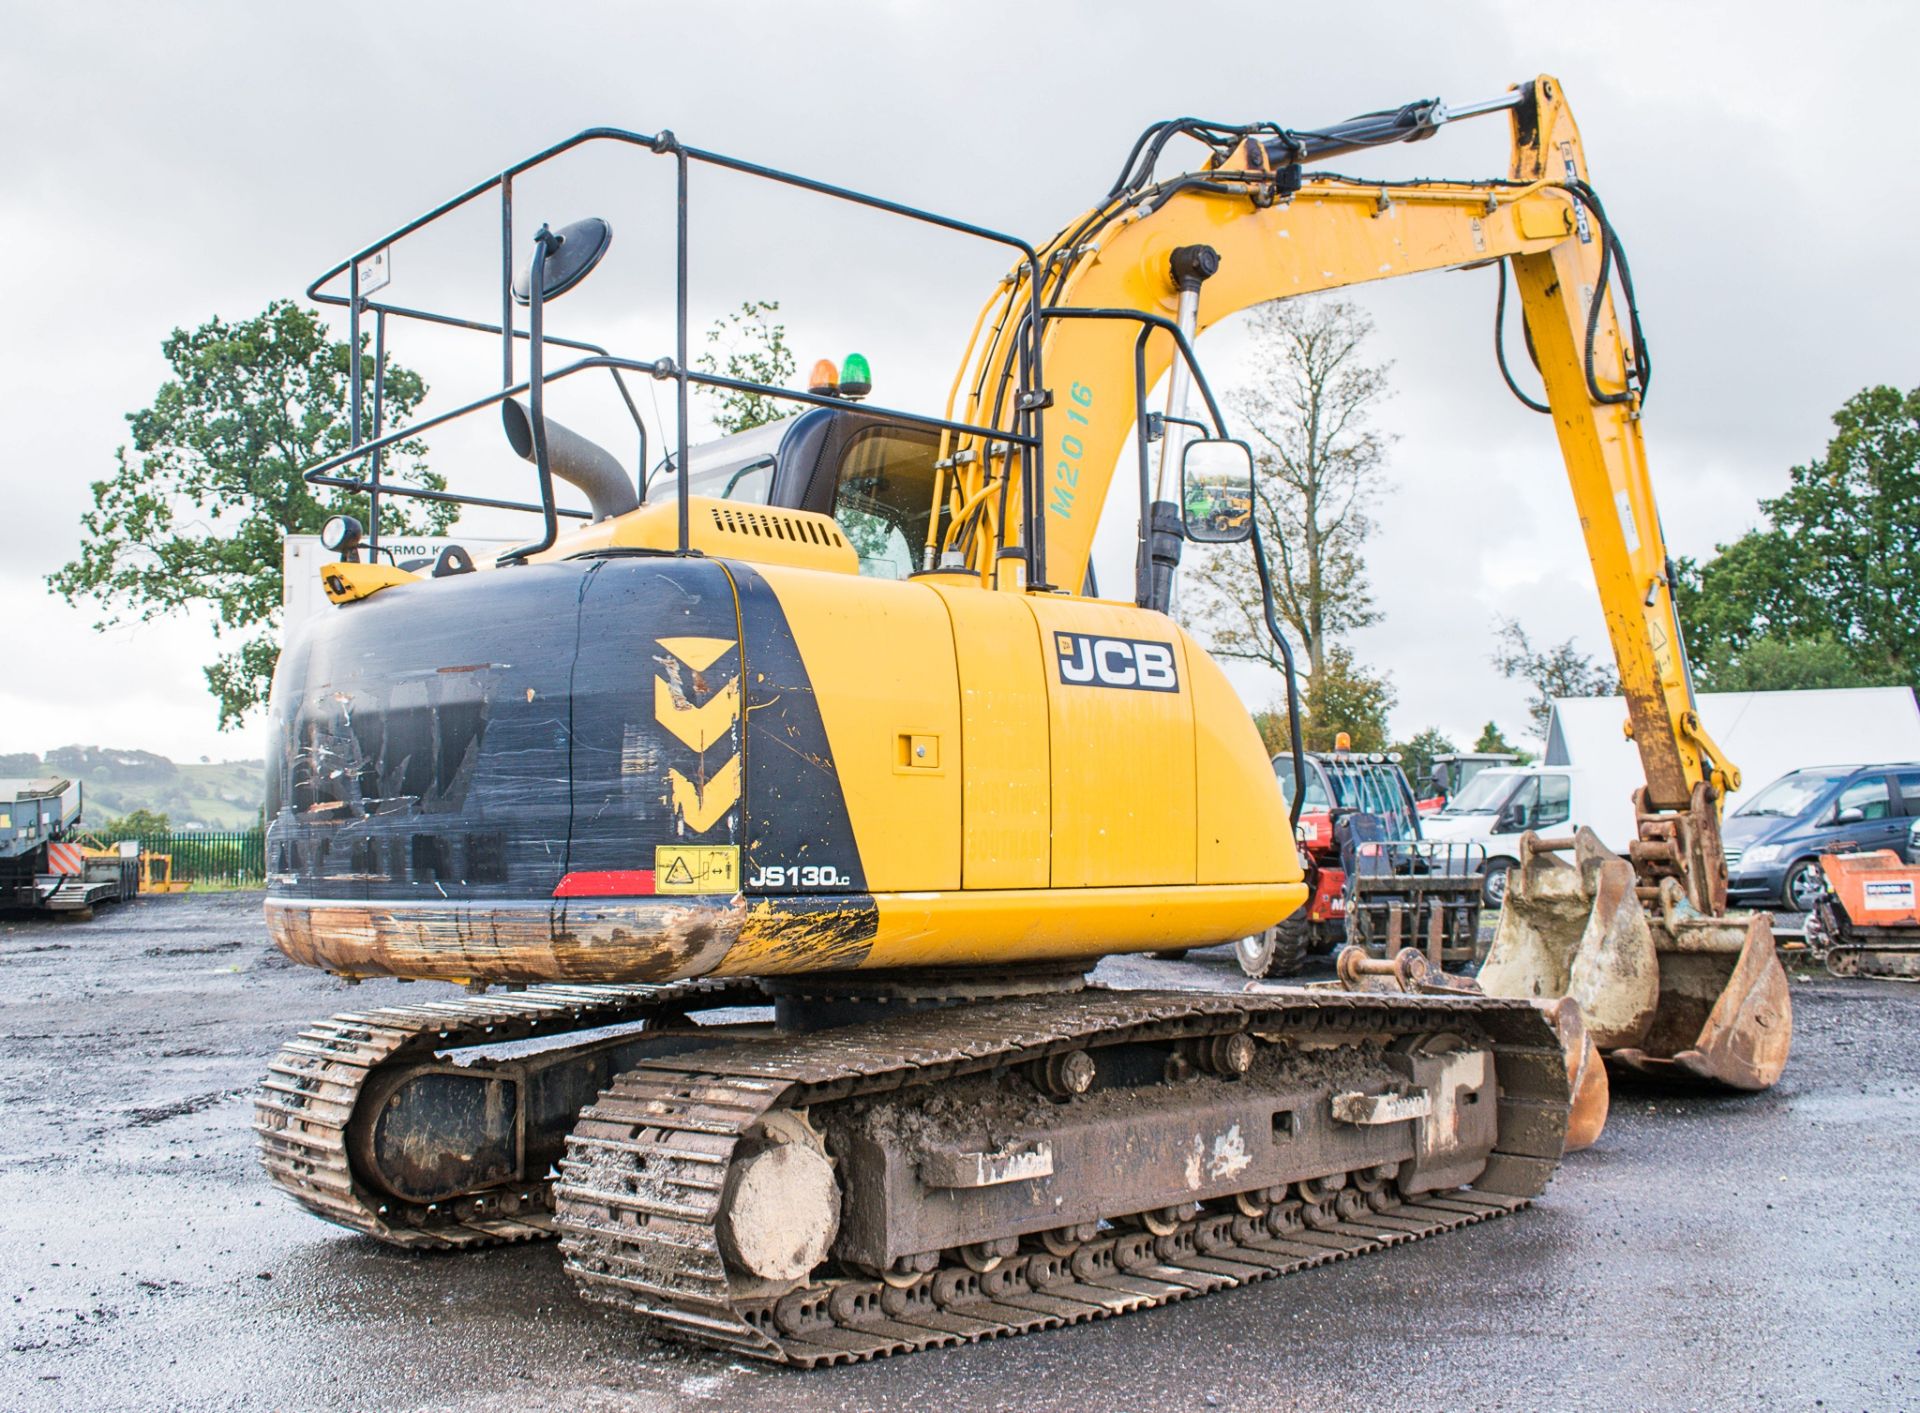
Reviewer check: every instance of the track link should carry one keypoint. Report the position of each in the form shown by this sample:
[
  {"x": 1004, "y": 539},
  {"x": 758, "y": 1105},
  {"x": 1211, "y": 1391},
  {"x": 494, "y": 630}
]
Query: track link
[
  {"x": 641, "y": 1186},
  {"x": 306, "y": 1103}
]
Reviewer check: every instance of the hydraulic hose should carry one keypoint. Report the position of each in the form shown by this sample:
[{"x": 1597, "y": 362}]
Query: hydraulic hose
[{"x": 1293, "y": 695}]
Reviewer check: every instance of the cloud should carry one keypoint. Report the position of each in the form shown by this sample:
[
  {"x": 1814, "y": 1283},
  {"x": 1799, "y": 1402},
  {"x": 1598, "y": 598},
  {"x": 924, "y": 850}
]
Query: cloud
[{"x": 169, "y": 163}]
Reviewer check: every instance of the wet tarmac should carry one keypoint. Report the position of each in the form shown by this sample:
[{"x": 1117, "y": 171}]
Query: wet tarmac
[{"x": 1711, "y": 1252}]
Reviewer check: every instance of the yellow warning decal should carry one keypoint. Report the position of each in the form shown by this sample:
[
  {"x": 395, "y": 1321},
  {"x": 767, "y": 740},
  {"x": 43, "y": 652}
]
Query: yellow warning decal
[{"x": 696, "y": 868}]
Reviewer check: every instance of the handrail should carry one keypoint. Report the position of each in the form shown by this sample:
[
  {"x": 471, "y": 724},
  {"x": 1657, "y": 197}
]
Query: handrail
[{"x": 1026, "y": 429}]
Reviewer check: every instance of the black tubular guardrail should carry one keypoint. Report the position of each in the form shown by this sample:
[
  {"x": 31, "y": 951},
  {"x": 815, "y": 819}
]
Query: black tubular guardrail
[{"x": 1025, "y": 433}]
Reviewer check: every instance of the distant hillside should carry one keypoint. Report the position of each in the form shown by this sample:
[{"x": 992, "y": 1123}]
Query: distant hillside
[{"x": 214, "y": 795}]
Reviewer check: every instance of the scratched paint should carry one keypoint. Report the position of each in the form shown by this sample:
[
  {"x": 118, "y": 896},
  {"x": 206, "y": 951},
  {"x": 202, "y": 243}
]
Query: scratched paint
[{"x": 421, "y": 817}]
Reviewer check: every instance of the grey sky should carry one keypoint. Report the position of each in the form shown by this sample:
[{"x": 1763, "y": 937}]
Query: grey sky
[{"x": 171, "y": 162}]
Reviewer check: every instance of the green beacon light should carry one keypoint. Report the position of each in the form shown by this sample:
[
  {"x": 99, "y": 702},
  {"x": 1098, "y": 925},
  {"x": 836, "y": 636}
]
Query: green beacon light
[{"x": 856, "y": 378}]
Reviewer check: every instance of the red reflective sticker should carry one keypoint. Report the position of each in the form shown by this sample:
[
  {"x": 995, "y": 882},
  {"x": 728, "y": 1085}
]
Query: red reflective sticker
[{"x": 614, "y": 883}]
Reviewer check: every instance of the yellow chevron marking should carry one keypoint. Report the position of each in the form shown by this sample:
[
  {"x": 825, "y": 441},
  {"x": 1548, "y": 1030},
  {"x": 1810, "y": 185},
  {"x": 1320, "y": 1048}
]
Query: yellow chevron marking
[
  {"x": 697, "y": 726},
  {"x": 702, "y": 807},
  {"x": 697, "y": 653}
]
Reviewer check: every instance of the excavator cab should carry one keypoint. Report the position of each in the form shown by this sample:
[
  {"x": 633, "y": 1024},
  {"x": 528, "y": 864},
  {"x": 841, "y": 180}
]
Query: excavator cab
[{"x": 872, "y": 474}]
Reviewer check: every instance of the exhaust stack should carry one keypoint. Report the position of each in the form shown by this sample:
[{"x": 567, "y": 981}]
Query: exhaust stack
[{"x": 574, "y": 459}]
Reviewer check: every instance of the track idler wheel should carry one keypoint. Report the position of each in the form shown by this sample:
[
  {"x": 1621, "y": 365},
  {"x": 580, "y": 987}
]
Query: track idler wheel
[
  {"x": 1065, "y": 1076},
  {"x": 1064, "y": 1241},
  {"x": 780, "y": 1208},
  {"x": 984, "y": 1256},
  {"x": 1165, "y": 1221}
]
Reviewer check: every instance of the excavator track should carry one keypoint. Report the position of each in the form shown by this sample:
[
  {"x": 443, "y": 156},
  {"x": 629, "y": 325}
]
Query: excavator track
[
  {"x": 639, "y": 1202},
  {"x": 304, "y": 1107}
]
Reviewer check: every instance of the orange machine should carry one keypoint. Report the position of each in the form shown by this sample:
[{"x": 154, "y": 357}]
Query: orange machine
[{"x": 1868, "y": 924}]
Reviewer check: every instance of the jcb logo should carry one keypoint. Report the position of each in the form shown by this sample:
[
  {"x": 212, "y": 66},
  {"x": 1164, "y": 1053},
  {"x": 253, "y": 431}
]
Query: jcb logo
[{"x": 1132, "y": 663}]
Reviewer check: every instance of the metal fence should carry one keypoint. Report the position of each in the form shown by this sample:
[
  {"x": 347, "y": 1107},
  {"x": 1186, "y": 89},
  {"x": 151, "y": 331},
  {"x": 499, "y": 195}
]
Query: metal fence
[{"x": 236, "y": 859}]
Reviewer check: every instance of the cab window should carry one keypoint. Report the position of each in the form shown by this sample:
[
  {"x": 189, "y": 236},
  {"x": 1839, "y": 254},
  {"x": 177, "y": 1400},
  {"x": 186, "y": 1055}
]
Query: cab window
[
  {"x": 884, "y": 497},
  {"x": 1316, "y": 788},
  {"x": 1908, "y": 783},
  {"x": 1867, "y": 796},
  {"x": 737, "y": 468},
  {"x": 1523, "y": 804},
  {"x": 1556, "y": 801}
]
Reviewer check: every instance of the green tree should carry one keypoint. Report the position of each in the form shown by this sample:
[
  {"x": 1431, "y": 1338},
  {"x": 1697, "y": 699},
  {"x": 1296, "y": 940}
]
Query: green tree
[
  {"x": 1774, "y": 664},
  {"x": 1838, "y": 559},
  {"x": 746, "y": 344},
  {"x": 1416, "y": 755},
  {"x": 1492, "y": 742},
  {"x": 194, "y": 517},
  {"x": 1272, "y": 726},
  {"x": 1346, "y": 697},
  {"x": 1561, "y": 670},
  {"x": 135, "y": 823},
  {"x": 1320, "y": 465}
]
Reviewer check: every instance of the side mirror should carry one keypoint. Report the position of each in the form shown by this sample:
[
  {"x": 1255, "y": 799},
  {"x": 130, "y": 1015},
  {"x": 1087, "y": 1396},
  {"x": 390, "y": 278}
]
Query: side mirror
[
  {"x": 575, "y": 250},
  {"x": 1216, "y": 491},
  {"x": 1850, "y": 816}
]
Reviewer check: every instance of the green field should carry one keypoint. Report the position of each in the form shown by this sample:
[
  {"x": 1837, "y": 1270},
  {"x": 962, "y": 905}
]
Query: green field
[{"x": 222, "y": 795}]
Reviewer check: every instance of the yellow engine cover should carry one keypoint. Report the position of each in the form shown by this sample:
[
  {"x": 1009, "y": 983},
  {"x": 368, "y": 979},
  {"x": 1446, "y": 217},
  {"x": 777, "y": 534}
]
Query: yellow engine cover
[{"x": 1034, "y": 776}]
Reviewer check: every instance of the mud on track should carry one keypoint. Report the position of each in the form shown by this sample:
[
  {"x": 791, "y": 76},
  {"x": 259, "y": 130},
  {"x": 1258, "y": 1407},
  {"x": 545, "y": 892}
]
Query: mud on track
[{"x": 1709, "y": 1252}]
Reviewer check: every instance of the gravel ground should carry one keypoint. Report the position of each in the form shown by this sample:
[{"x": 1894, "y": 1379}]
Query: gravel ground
[{"x": 1708, "y": 1253}]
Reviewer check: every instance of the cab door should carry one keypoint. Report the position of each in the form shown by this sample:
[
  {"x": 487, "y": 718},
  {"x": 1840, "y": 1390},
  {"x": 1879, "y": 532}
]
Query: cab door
[{"x": 1864, "y": 816}]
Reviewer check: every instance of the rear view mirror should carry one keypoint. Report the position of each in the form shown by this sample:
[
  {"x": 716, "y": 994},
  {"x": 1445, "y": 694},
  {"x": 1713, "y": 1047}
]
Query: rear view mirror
[
  {"x": 1216, "y": 491},
  {"x": 576, "y": 250}
]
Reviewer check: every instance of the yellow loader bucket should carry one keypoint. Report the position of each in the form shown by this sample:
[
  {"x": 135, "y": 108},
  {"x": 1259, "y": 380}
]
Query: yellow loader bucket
[{"x": 1674, "y": 993}]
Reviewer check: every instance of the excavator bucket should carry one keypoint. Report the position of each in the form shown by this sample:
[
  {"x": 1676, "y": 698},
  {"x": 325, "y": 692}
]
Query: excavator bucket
[
  {"x": 1672, "y": 993},
  {"x": 1586, "y": 1074}
]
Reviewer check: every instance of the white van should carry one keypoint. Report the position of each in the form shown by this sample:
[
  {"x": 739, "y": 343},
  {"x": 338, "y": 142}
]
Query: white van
[{"x": 1500, "y": 804}]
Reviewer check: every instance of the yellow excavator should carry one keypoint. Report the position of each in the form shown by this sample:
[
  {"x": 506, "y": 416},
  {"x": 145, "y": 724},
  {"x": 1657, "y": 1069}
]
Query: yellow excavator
[{"x": 774, "y": 815}]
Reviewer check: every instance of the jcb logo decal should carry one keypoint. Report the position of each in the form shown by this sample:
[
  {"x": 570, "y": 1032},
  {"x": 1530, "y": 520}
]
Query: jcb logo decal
[
  {"x": 1133, "y": 663},
  {"x": 700, "y": 726}
]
